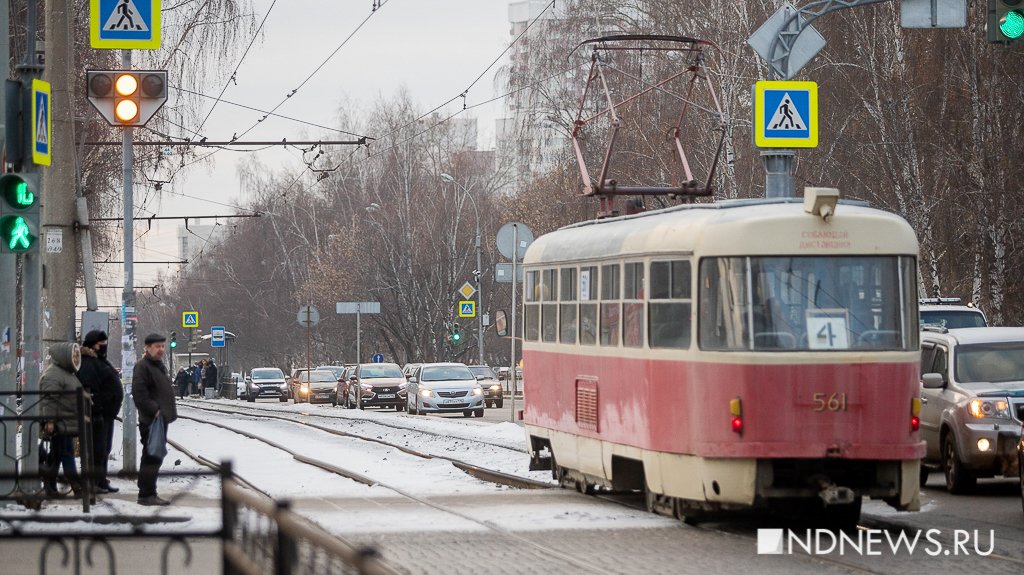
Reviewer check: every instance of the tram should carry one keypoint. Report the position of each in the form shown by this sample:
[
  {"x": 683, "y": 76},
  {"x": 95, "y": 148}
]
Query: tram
[{"x": 743, "y": 354}]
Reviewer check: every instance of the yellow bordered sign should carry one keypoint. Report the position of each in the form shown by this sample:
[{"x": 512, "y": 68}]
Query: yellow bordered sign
[
  {"x": 467, "y": 308},
  {"x": 42, "y": 125},
  {"x": 124, "y": 24},
  {"x": 190, "y": 319},
  {"x": 786, "y": 114}
]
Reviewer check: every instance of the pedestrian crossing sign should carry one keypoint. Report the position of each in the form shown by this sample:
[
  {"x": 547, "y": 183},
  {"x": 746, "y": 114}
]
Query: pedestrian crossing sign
[
  {"x": 190, "y": 319},
  {"x": 467, "y": 308},
  {"x": 42, "y": 126},
  {"x": 786, "y": 114},
  {"x": 124, "y": 24}
]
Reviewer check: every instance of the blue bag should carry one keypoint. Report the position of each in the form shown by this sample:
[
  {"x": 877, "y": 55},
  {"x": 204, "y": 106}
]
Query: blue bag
[{"x": 156, "y": 443}]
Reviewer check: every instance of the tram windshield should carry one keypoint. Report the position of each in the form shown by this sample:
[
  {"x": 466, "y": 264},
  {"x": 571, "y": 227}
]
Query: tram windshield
[{"x": 808, "y": 303}]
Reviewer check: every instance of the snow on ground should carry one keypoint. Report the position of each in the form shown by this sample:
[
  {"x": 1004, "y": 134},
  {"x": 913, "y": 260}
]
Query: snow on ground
[{"x": 473, "y": 444}]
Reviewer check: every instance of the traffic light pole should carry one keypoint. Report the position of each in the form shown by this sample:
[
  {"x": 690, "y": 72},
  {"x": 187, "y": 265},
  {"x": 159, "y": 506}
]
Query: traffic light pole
[
  {"x": 128, "y": 317},
  {"x": 8, "y": 301}
]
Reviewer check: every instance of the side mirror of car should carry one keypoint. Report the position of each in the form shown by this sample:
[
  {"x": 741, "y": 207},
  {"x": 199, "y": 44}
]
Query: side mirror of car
[
  {"x": 481, "y": 377},
  {"x": 412, "y": 379},
  {"x": 353, "y": 379},
  {"x": 933, "y": 381}
]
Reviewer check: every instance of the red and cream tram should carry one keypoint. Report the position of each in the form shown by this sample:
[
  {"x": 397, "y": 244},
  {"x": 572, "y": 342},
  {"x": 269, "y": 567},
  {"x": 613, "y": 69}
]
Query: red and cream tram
[{"x": 752, "y": 353}]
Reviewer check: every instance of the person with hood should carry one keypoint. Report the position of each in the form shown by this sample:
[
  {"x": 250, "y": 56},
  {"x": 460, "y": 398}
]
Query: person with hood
[
  {"x": 182, "y": 381},
  {"x": 102, "y": 381},
  {"x": 197, "y": 378},
  {"x": 60, "y": 413},
  {"x": 153, "y": 393},
  {"x": 210, "y": 376}
]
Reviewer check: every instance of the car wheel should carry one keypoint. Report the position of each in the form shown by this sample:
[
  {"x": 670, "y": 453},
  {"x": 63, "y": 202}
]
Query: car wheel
[
  {"x": 400, "y": 407},
  {"x": 478, "y": 413},
  {"x": 467, "y": 413},
  {"x": 1020, "y": 461},
  {"x": 959, "y": 480},
  {"x": 409, "y": 407},
  {"x": 925, "y": 472},
  {"x": 359, "y": 402},
  {"x": 499, "y": 403},
  {"x": 283, "y": 399},
  {"x": 251, "y": 399}
]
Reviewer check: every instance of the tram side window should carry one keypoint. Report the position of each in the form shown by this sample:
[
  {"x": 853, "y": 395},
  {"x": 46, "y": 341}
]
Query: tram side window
[
  {"x": 723, "y": 304},
  {"x": 549, "y": 307},
  {"x": 568, "y": 320},
  {"x": 588, "y": 305},
  {"x": 633, "y": 305},
  {"x": 531, "y": 313},
  {"x": 671, "y": 307},
  {"x": 611, "y": 307}
]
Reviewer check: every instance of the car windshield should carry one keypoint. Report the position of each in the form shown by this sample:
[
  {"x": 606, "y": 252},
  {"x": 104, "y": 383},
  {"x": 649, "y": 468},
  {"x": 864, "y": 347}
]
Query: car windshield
[
  {"x": 320, "y": 376},
  {"x": 446, "y": 373},
  {"x": 990, "y": 362},
  {"x": 808, "y": 303},
  {"x": 379, "y": 371},
  {"x": 337, "y": 371},
  {"x": 483, "y": 370},
  {"x": 267, "y": 374},
  {"x": 952, "y": 319}
]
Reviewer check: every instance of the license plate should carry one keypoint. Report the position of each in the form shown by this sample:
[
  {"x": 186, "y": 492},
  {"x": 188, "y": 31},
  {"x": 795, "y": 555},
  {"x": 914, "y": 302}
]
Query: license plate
[
  {"x": 386, "y": 396},
  {"x": 449, "y": 401},
  {"x": 322, "y": 395}
]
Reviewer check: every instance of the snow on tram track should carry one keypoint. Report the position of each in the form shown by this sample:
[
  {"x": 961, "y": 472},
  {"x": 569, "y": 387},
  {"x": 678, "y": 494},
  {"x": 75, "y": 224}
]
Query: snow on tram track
[
  {"x": 415, "y": 476},
  {"x": 511, "y": 471}
]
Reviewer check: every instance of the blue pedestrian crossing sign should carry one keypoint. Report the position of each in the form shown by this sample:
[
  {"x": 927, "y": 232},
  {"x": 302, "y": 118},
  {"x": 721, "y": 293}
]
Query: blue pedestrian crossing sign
[
  {"x": 42, "y": 126},
  {"x": 378, "y": 358},
  {"x": 786, "y": 114},
  {"x": 467, "y": 309},
  {"x": 124, "y": 24},
  {"x": 190, "y": 319}
]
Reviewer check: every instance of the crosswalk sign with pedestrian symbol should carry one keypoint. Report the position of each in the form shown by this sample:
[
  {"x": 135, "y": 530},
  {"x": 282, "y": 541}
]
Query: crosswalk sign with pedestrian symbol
[
  {"x": 190, "y": 319},
  {"x": 125, "y": 24},
  {"x": 467, "y": 308},
  {"x": 42, "y": 126},
  {"x": 786, "y": 114}
]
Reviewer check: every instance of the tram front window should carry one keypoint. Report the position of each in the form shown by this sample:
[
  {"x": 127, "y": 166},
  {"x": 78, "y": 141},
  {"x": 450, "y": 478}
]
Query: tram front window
[{"x": 808, "y": 303}]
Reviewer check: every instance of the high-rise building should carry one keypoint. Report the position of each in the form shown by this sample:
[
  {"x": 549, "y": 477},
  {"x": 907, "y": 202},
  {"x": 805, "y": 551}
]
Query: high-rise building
[{"x": 193, "y": 239}]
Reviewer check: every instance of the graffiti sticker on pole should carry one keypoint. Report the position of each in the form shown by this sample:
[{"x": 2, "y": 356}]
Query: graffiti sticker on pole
[{"x": 786, "y": 114}]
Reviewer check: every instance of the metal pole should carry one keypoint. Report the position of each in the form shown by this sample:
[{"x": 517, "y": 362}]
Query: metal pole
[
  {"x": 359, "y": 333},
  {"x": 778, "y": 167},
  {"x": 309, "y": 345},
  {"x": 479, "y": 297},
  {"x": 128, "y": 317},
  {"x": 8, "y": 301},
  {"x": 515, "y": 288}
]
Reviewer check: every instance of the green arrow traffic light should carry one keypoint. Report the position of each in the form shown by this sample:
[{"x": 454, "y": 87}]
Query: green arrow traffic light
[
  {"x": 19, "y": 213},
  {"x": 1012, "y": 24}
]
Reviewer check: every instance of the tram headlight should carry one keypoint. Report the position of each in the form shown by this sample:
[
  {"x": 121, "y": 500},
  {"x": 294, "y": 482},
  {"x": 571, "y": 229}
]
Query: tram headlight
[{"x": 995, "y": 409}]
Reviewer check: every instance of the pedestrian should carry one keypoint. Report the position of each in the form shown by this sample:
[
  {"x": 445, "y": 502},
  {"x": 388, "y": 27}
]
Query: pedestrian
[
  {"x": 182, "y": 381},
  {"x": 197, "y": 378},
  {"x": 210, "y": 375},
  {"x": 153, "y": 393},
  {"x": 101, "y": 380},
  {"x": 60, "y": 414}
]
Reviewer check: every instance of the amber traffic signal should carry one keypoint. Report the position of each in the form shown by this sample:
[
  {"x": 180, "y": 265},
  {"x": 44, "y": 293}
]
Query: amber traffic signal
[{"x": 127, "y": 97}]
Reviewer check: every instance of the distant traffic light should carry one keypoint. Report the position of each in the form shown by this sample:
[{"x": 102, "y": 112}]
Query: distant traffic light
[
  {"x": 127, "y": 97},
  {"x": 456, "y": 333},
  {"x": 19, "y": 213},
  {"x": 1005, "y": 20},
  {"x": 174, "y": 340}
]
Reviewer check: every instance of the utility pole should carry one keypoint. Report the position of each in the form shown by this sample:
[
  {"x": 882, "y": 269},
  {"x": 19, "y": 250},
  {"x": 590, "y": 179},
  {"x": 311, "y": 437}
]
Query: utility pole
[
  {"x": 476, "y": 274},
  {"x": 59, "y": 209},
  {"x": 128, "y": 316},
  {"x": 8, "y": 301}
]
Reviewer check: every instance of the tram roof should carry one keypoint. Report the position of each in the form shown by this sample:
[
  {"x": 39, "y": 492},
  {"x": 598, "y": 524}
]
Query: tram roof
[{"x": 731, "y": 228}]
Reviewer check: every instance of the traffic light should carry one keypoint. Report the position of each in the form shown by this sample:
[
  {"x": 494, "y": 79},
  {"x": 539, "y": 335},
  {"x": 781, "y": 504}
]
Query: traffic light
[
  {"x": 174, "y": 340},
  {"x": 127, "y": 97},
  {"x": 456, "y": 333},
  {"x": 19, "y": 213},
  {"x": 1005, "y": 20}
]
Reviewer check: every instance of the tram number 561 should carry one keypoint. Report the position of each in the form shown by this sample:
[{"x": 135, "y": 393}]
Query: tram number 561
[{"x": 835, "y": 402}]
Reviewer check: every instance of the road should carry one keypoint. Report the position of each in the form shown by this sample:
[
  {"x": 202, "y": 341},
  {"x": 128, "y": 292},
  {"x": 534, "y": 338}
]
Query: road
[{"x": 459, "y": 524}]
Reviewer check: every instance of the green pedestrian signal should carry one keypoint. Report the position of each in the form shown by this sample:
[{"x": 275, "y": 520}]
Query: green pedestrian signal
[
  {"x": 1012, "y": 24},
  {"x": 1005, "y": 21},
  {"x": 19, "y": 213}
]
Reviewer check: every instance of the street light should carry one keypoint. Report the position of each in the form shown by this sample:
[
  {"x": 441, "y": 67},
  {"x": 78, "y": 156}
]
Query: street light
[{"x": 476, "y": 273}]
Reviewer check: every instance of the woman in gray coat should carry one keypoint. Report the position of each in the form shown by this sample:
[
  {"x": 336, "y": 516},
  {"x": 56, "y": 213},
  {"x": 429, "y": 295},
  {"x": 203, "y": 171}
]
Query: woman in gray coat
[{"x": 61, "y": 411}]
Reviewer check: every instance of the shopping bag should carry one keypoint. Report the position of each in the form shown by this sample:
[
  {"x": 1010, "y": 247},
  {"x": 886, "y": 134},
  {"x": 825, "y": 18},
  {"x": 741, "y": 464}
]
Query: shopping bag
[{"x": 156, "y": 443}]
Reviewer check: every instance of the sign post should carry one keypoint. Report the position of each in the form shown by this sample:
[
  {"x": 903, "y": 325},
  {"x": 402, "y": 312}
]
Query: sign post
[{"x": 358, "y": 308}]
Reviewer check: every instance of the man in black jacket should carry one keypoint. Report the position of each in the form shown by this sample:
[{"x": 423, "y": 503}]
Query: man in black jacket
[
  {"x": 101, "y": 380},
  {"x": 153, "y": 394},
  {"x": 182, "y": 381},
  {"x": 210, "y": 377}
]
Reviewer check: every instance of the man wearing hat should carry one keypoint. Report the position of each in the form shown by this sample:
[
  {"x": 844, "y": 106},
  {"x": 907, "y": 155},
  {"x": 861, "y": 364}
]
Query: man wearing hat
[
  {"x": 101, "y": 380},
  {"x": 153, "y": 393}
]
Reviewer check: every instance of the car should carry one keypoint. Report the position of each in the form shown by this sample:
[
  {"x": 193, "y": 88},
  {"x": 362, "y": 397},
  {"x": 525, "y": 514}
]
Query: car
[
  {"x": 1020, "y": 464},
  {"x": 972, "y": 395},
  {"x": 239, "y": 382},
  {"x": 337, "y": 370},
  {"x": 948, "y": 312},
  {"x": 409, "y": 369},
  {"x": 494, "y": 396},
  {"x": 342, "y": 390},
  {"x": 376, "y": 385},
  {"x": 317, "y": 386},
  {"x": 445, "y": 388},
  {"x": 266, "y": 382}
]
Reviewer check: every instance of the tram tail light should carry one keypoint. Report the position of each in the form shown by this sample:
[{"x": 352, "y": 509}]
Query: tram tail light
[
  {"x": 915, "y": 414},
  {"x": 736, "y": 410}
]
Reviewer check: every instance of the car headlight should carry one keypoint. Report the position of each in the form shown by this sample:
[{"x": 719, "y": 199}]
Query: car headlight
[
  {"x": 305, "y": 389},
  {"x": 403, "y": 385},
  {"x": 284, "y": 386},
  {"x": 496, "y": 387},
  {"x": 426, "y": 392},
  {"x": 478, "y": 391},
  {"x": 366, "y": 387},
  {"x": 981, "y": 408}
]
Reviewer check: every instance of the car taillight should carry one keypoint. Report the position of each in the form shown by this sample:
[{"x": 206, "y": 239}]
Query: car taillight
[{"x": 736, "y": 409}]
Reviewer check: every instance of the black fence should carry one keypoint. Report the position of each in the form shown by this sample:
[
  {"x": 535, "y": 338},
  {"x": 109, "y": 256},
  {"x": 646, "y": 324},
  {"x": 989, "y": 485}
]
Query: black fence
[
  {"x": 21, "y": 415},
  {"x": 257, "y": 536}
]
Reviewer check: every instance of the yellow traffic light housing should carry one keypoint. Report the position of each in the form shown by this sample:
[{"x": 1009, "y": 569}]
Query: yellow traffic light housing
[{"x": 127, "y": 97}]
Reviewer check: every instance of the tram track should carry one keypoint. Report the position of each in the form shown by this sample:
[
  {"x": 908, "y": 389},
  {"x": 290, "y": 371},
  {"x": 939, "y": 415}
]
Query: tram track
[
  {"x": 537, "y": 548},
  {"x": 471, "y": 469}
]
